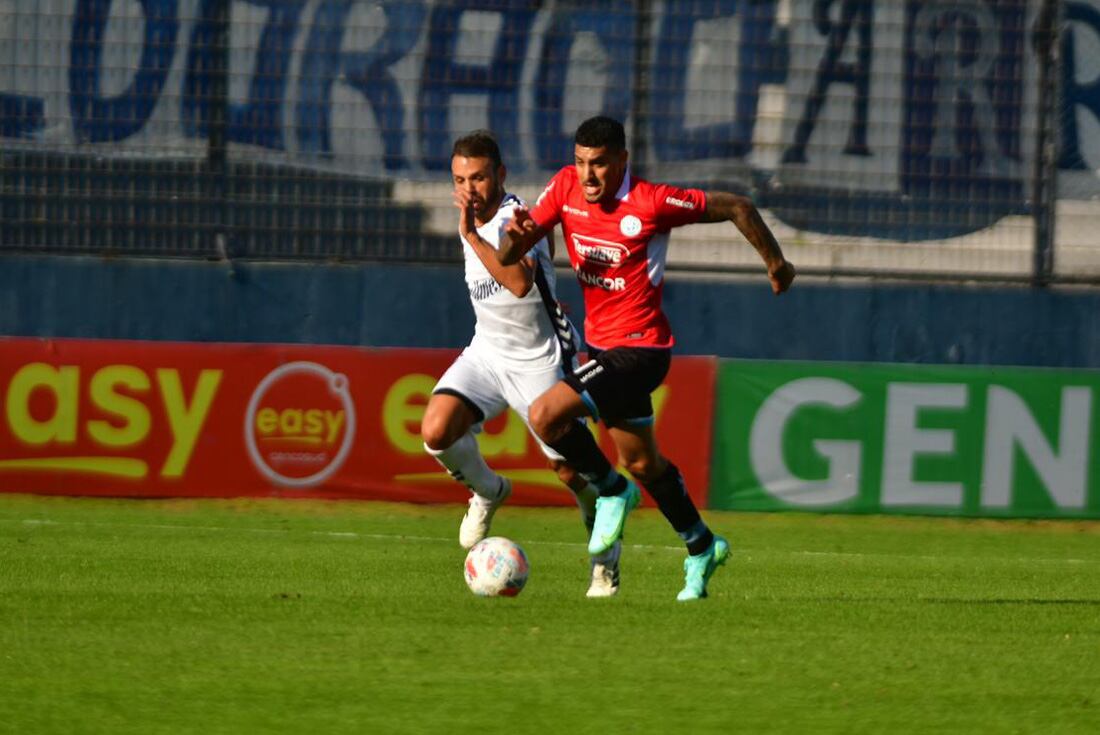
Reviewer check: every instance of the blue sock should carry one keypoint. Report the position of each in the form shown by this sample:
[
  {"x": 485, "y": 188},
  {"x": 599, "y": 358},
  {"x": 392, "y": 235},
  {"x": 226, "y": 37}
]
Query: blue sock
[
  {"x": 676, "y": 505},
  {"x": 579, "y": 448},
  {"x": 698, "y": 538},
  {"x": 611, "y": 484}
]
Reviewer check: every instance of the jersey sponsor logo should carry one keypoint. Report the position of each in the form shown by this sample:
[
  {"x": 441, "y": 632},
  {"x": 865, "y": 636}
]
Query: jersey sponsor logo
[
  {"x": 594, "y": 251},
  {"x": 607, "y": 284},
  {"x": 630, "y": 225},
  {"x": 481, "y": 290},
  {"x": 573, "y": 210},
  {"x": 679, "y": 203}
]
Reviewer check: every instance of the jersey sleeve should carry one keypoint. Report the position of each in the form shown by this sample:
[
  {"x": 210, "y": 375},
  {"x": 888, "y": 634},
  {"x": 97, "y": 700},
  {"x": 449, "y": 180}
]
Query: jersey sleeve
[
  {"x": 547, "y": 209},
  {"x": 673, "y": 206}
]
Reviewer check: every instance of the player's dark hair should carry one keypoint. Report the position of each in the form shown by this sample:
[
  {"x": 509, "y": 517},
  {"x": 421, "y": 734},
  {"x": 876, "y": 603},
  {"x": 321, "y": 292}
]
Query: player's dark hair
[
  {"x": 478, "y": 144},
  {"x": 600, "y": 132}
]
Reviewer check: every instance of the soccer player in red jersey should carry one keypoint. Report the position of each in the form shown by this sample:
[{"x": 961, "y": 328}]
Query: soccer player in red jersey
[{"x": 616, "y": 228}]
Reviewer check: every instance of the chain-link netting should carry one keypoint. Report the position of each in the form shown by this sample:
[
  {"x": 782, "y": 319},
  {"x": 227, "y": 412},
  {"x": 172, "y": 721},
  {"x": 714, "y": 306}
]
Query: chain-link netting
[{"x": 882, "y": 137}]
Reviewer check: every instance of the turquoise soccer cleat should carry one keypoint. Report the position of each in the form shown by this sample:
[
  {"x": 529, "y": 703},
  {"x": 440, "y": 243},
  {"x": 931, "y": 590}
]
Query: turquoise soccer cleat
[
  {"x": 699, "y": 568},
  {"x": 611, "y": 513}
]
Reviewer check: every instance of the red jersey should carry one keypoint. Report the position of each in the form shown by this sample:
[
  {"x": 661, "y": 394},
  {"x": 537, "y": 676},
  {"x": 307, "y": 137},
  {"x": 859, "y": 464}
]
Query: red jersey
[{"x": 618, "y": 251}]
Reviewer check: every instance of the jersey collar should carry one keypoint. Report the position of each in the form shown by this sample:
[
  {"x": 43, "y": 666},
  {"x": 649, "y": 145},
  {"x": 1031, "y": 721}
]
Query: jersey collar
[{"x": 623, "y": 194}]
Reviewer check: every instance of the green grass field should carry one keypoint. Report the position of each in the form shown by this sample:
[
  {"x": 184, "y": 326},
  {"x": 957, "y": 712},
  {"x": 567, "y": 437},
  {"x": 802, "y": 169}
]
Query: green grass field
[{"x": 283, "y": 616}]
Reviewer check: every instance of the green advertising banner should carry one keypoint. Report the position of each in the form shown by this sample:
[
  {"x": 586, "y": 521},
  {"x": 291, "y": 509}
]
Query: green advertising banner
[{"x": 871, "y": 438}]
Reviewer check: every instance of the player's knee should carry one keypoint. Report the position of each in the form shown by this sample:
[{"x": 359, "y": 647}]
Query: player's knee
[
  {"x": 644, "y": 468},
  {"x": 436, "y": 433},
  {"x": 545, "y": 422}
]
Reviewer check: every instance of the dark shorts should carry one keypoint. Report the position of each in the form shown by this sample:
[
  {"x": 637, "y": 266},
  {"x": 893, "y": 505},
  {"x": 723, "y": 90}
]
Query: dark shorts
[{"x": 615, "y": 384}]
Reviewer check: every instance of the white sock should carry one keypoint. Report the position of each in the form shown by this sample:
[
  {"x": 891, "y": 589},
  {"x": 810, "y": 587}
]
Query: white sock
[
  {"x": 606, "y": 557},
  {"x": 586, "y": 502},
  {"x": 464, "y": 461}
]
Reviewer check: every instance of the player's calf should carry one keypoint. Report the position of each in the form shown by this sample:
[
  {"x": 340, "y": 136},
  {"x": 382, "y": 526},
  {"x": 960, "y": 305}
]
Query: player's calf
[{"x": 672, "y": 498}]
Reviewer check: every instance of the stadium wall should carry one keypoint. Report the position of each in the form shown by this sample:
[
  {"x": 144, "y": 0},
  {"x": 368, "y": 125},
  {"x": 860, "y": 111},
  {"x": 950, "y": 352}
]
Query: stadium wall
[
  {"x": 843, "y": 417},
  {"x": 387, "y": 305}
]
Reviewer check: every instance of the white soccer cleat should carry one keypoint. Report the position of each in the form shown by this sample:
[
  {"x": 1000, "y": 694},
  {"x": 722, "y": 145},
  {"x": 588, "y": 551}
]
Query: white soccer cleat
[
  {"x": 479, "y": 516},
  {"x": 605, "y": 572}
]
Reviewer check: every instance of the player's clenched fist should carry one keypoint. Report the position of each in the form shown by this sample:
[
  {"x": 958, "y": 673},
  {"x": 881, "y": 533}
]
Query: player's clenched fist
[
  {"x": 464, "y": 200},
  {"x": 781, "y": 277},
  {"x": 521, "y": 223},
  {"x": 522, "y": 233}
]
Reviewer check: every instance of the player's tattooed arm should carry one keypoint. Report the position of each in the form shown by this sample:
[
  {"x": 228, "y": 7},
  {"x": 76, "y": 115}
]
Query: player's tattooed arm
[
  {"x": 522, "y": 234},
  {"x": 722, "y": 205},
  {"x": 518, "y": 277}
]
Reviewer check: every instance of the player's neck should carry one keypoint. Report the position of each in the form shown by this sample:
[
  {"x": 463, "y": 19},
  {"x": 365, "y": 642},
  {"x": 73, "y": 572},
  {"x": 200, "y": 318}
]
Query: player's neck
[{"x": 611, "y": 196}]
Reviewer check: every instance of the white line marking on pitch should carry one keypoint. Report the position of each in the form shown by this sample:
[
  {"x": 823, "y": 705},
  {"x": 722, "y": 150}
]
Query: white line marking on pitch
[
  {"x": 447, "y": 540},
  {"x": 332, "y": 534}
]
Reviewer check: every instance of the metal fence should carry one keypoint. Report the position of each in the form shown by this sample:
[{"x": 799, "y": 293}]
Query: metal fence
[{"x": 930, "y": 138}]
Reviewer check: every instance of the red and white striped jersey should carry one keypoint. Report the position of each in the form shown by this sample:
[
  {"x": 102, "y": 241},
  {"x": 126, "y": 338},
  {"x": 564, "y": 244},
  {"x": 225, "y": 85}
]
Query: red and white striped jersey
[{"x": 618, "y": 251}]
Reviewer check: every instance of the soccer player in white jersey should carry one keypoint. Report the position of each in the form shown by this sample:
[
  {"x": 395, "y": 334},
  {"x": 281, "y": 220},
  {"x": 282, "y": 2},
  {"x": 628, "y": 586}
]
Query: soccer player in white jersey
[{"x": 523, "y": 345}]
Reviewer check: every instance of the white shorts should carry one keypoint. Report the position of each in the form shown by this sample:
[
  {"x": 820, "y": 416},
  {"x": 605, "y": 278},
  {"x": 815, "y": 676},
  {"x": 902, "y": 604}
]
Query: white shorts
[{"x": 475, "y": 378}]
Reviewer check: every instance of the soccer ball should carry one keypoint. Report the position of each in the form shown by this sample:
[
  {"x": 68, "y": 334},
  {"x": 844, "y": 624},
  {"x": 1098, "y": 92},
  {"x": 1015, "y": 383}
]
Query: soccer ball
[{"x": 496, "y": 566}]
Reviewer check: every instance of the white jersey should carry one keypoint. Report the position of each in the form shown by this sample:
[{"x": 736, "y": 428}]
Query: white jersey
[{"x": 525, "y": 334}]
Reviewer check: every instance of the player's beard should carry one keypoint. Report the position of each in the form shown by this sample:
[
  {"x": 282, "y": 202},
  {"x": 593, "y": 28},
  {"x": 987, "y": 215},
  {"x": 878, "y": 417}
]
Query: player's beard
[{"x": 489, "y": 206}]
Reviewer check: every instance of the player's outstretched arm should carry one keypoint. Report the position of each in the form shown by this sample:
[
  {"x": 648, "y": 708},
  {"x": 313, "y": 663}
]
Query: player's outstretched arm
[
  {"x": 521, "y": 234},
  {"x": 722, "y": 205},
  {"x": 518, "y": 277}
]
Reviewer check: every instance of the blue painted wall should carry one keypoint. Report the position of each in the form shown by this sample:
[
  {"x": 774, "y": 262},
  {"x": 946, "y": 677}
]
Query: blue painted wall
[{"x": 427, "y": 306}]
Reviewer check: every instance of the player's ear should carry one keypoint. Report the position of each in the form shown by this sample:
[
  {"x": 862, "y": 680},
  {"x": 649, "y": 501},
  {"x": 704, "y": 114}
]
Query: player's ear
[{"x": 502, "y": 173}]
